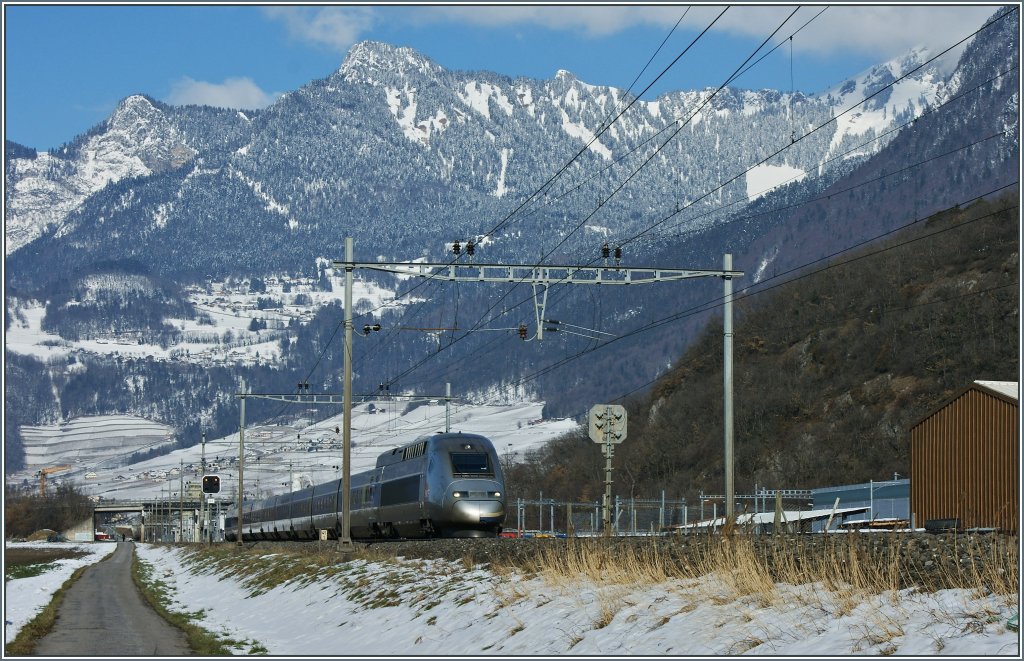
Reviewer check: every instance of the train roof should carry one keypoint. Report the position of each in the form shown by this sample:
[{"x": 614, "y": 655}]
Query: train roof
[{"x": 402, "y": 452}]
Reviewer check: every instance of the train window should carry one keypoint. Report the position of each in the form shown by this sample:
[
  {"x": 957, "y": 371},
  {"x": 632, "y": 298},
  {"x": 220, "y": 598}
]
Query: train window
[{"x": 471, "y": 463}]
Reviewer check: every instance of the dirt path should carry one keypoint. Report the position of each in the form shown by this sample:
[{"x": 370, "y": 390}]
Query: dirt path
[{"x": 103, "y": 614}]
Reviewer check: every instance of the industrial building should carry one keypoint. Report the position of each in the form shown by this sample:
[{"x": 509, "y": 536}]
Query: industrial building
[
  {"x": 880, "y": 503},
  {"x": 965, "y": 460}
]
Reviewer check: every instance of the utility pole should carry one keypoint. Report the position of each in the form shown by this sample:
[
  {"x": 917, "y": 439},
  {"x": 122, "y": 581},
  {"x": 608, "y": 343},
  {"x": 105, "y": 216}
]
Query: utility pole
[
  {"x": 181, "y": 499},
  {"x": 730, "y": 492},
  {"x": 202, "y": 504},
  {"x": 241, "y": 465},
  {"x": 541, "y": 277},
  {"x": 447, "y": 407},
  {"x": 345, "y": 538}
]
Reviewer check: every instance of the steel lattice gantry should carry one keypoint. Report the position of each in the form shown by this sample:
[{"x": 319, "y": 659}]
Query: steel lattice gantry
[{"x": 539, "y": 276}]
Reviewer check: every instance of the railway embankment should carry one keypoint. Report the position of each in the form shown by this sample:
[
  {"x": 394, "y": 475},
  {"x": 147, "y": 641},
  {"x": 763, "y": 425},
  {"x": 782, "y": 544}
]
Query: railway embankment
[{"x": 922, "y": 560}]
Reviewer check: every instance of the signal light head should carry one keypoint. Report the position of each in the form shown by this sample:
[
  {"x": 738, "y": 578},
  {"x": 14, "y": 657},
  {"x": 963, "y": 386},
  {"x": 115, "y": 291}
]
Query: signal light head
[{"x": 211, "y": 484}]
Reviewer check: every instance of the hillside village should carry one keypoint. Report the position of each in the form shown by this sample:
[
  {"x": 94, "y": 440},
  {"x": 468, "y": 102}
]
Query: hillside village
[{"x": 239, "y": 322}]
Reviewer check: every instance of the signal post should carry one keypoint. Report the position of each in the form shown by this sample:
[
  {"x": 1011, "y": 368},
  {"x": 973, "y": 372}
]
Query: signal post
[
  {"x": 541, "y": 277},
  {"x": 608, "y": 426}
]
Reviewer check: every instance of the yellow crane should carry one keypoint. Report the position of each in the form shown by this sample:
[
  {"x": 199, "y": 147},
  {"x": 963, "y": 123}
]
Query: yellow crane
[{"x": 46, "y": 471}]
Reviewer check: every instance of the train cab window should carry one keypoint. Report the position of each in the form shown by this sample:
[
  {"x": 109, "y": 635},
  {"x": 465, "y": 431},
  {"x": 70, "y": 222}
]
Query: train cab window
[{"x": 471, "y": 463}]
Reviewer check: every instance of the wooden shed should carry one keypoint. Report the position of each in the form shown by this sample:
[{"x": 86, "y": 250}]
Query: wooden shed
[{"x": 964, "y": 459}]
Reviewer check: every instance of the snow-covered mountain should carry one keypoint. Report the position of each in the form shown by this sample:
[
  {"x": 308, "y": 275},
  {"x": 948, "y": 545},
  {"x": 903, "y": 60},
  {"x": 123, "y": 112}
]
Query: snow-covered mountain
[
  {"x": 136, "y": 141},
  {"x": 391, "y": 129},
  {"x": 406, "y": 156}
]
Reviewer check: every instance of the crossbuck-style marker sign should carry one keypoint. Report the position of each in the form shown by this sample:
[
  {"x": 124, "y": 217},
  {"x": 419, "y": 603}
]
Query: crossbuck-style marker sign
[
  {"x": 541, "y": 278},
  {"x": 608, "y": 423}
]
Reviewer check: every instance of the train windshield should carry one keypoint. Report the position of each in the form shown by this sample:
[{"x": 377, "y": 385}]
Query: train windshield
[{"x": 471, "y": 463}]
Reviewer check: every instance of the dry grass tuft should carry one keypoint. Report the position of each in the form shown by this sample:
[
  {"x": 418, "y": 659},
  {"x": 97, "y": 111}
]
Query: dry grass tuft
[{"x": 842, "y": 569}]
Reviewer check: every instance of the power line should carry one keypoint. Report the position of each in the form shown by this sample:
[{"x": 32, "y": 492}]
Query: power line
[
  {"x": 819, "y": 127},
  {"x": 652, "y": 227},
  {"x": 607, "y": 125},
  {"x": 600, "y": 132},
  {"x": 710, "y": 305},
  {"x": 786, "y": 147},
  {"x": 681, "y": 126}
]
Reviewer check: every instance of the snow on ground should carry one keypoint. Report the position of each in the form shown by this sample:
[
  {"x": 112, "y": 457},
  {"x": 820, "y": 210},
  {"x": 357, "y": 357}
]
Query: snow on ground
[
  {"x": 437, "y": 608},
  {"x": 763, "y": 179},
  {"x": 226, "y": 309},
  {"x": 91, "y": 440},
  {"x": 24, "y": 598}
]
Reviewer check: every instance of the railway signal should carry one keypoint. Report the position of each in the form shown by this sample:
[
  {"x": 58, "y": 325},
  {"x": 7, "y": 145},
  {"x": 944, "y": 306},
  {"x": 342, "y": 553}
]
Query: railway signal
[
  {"x": 211, "y": 484},
  {"x": 542, "y": 277},
  {"x": 608, "y": 427}
]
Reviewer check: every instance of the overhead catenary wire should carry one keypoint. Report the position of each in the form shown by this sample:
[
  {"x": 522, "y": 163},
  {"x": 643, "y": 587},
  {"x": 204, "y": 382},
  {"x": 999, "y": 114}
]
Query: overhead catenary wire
[
  {"x": 607, "y": 124},
  {"x": 601, "y": 130},
  {"x": 744, "y": 293},
  {"x": 788, "y": 145},
  {"x": 652, "y": 137},
  {"x": 870, "y": 97},
  {"x": 894, "y": 82},
  {"x": 624, "y": 110},
  {"x": 791, "y": 143},
  {"x": 888, "y": 312},
  {"x": 648, "y": 160}
]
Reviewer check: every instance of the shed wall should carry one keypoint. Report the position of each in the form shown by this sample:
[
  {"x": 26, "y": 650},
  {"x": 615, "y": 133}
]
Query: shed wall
[{"x": 965, "y": 463}]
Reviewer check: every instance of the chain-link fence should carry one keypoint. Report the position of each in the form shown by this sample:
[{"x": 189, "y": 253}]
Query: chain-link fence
[{"x": 629, "y": 516}]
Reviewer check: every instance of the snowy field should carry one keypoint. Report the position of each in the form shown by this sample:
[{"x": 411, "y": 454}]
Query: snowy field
[
  {"x": 436, "y": 608},
  {"x": 24, "y": 598},
  {"x": 297, "y": 455}
]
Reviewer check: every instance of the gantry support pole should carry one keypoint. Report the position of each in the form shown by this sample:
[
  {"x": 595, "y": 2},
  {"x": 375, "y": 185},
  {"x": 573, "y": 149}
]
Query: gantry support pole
[
  {"x": 241, "y": 466},
  {"x": 345, "y": 538},
  {"x": 730, "y": 491}
]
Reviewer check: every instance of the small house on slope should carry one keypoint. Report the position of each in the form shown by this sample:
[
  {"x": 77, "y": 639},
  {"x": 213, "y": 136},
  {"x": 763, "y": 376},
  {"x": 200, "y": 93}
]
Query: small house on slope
[{"x": 965, "y": 460}]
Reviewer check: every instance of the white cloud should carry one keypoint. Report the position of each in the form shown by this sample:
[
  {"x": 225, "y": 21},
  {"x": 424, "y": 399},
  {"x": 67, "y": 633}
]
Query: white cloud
[
  {"x": 877, "y": 30},
  {"x": 337, "y": 28},
  {"x": 241, "y": 93},
  {"x": 881, "y": 30},
  {"x": 594, "y": 20}
]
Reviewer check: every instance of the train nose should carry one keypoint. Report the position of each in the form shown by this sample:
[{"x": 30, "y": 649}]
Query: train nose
[{"x": 478, "y": 511}]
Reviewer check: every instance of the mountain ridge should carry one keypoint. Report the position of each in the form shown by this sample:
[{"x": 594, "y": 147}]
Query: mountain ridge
[{"x": 274, "y": 191}]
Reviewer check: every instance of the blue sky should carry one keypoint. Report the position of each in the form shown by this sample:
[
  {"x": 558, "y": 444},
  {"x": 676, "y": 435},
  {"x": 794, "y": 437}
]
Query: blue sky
[{"x": 66, "y": 66}]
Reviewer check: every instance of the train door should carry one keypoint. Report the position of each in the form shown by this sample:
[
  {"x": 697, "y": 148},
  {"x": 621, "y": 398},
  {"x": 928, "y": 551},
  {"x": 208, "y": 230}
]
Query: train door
[{"x": 373, "y": 507}]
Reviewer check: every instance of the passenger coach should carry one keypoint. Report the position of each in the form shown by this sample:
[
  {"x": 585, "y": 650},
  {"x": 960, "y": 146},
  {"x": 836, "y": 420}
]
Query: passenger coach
[{"x": 444, "y": 485}]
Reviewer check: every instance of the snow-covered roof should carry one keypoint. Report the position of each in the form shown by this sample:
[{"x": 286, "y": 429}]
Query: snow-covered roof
[
  {"x": 1007, "y": 388},
  {"x": 788, "y": 516}
]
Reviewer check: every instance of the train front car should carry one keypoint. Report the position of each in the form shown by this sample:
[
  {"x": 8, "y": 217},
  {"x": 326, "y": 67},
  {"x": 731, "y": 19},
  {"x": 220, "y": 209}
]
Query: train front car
[{"x": 464, "y": 487}]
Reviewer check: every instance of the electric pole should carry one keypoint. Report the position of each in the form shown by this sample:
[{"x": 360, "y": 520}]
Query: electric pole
[{"x": 541, "y": 277}]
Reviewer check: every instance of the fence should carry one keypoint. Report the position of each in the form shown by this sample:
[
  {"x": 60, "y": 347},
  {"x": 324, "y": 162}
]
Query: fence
[
  {"x": 638, "y": 516},
  {"x": 630, "y": 516}
]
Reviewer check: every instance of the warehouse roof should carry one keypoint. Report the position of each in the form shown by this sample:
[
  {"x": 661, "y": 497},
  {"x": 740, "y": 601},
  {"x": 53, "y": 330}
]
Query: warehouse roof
[{"x": 1006, "y": 388}]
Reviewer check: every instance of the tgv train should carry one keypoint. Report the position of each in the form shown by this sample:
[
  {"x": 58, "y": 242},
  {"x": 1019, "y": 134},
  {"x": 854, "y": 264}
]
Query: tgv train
[{"x": 444, "y": 485}]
